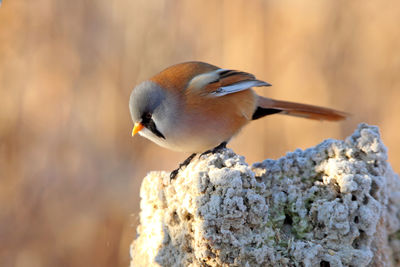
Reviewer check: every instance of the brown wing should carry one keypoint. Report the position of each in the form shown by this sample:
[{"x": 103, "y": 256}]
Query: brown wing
[
  {"x": 177, "y": 77},
  {"x": 221, "y": 82}
]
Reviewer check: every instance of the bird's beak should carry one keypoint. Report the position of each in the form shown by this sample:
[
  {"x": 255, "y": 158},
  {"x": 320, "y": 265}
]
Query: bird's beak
[{"x": 137, "y": 128}]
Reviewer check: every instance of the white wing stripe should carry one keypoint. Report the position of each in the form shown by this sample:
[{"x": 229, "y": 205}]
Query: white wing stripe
[{"x": 236, "y": 87}]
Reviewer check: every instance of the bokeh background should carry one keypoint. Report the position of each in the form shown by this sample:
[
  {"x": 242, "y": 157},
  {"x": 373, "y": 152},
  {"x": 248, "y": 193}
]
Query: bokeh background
[{"x": 70, "y": 172}]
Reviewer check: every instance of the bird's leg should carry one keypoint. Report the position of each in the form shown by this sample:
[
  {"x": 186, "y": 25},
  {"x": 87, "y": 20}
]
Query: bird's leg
[
  {"x": 215, "y": 149},
  {"x": 175, "y": 172}
]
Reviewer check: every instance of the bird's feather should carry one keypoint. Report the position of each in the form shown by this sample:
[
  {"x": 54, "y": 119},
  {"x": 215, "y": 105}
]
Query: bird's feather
[
  {"x": 271, "y": 106},
  {"x": 237, "y": 87},
  {"x": 221, "y": 82}
]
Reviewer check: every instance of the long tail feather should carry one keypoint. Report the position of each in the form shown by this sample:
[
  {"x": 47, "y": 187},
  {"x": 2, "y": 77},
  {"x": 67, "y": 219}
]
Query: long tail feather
[{"x": 267, "y": 106}]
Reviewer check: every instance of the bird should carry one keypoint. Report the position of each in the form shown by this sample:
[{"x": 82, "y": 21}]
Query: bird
[{"x": 197, "y": 107}]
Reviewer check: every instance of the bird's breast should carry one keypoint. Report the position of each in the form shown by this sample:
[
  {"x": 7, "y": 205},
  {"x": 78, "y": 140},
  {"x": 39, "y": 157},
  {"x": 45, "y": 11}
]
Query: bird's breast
[{"x": 206, "y": 122}]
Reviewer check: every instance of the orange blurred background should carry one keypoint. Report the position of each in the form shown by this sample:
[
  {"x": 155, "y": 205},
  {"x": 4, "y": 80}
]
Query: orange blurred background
[{"x": 70, "y": 171}]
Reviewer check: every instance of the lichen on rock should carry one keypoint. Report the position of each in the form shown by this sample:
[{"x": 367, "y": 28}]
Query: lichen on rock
[{"x": 336, "y": 204}]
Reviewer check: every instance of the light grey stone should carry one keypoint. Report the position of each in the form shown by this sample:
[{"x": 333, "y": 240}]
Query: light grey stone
[{"x": 336, "y": 203}]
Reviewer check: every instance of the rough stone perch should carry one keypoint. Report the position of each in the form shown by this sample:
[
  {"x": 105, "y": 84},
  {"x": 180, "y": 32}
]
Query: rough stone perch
[{"x": 337, "y": 204}]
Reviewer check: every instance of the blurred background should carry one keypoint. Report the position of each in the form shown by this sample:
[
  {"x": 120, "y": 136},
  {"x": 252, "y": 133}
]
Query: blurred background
[{"x": 70, "y": 172}]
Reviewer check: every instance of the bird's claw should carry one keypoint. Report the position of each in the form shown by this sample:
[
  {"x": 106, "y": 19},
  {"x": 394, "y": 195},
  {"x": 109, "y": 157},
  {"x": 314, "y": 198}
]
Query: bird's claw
[
  {"x": 175, "y": 172},
  {"x": 215, "y": 149}
]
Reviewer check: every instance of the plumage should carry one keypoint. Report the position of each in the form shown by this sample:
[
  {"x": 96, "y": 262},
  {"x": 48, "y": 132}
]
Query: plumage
[
  {"x": 195, "y": 106},
  {"x": 301, "y": 110},
  {"x": 236, "y": 87},
  {"x": 221, "y": 82}
]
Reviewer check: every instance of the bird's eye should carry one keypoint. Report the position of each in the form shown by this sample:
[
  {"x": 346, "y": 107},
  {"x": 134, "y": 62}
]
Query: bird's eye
[
  {"x": 146, "y": 117},
  {"x": 147, "y": 121}
]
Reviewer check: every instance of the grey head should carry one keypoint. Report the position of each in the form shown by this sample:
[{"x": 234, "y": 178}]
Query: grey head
[{"x": 154, "y": 108}]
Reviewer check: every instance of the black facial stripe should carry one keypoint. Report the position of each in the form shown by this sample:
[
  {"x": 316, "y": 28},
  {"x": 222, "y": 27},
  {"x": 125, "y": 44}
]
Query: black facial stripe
[
  {"x": 146, "y": 118},
  {"x": 148, "y": 122},
  {"x": 152, "y": 127}
]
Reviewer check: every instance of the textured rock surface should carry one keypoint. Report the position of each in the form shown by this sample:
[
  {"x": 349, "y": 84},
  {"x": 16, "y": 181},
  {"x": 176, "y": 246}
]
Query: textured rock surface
[{"x": 337, "y": 204}]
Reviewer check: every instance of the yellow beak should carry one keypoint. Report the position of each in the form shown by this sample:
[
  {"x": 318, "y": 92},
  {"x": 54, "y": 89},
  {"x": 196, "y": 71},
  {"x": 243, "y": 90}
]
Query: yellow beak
[{"x": 137, "y": 128}]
